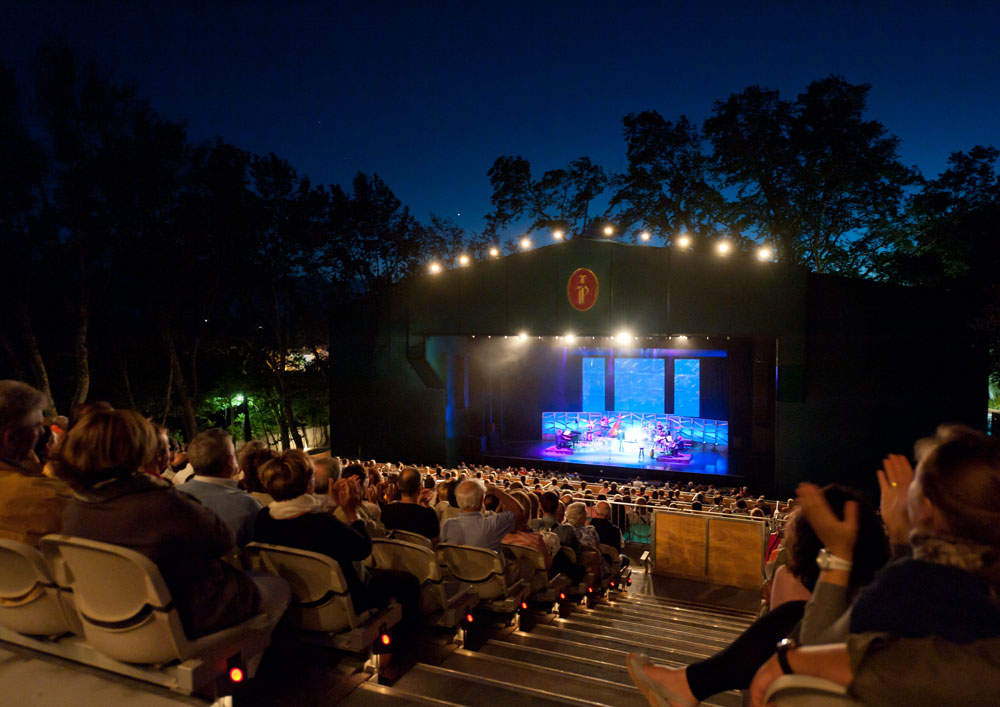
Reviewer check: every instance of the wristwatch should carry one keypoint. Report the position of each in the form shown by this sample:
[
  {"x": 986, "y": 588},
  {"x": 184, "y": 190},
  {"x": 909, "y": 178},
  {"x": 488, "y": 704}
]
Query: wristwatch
[
  {"x": 826, "y": 560},
  {"x": 784, "y": 645}
]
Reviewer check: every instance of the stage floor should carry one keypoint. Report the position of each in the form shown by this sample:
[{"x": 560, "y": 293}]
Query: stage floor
[{"x": 597, "y": 455}]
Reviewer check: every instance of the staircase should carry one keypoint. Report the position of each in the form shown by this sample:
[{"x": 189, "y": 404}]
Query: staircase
[{"x": 577, "y": 660}]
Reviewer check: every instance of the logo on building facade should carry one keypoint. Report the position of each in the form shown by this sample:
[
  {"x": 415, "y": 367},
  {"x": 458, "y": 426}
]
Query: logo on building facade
[{"x": 582, "y": 289}]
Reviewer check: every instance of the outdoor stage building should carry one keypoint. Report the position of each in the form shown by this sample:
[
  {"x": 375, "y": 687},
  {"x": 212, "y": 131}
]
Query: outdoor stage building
[{"x": 583, "y": 355}]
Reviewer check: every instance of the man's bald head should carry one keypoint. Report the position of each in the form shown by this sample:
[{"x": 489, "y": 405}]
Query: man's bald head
[{"x": 602, "y": 509}]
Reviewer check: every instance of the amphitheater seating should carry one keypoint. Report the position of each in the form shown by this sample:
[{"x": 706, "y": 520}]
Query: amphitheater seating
[
  {"x": 321, "y": 601},
  {"x": 415, "y": 538},
  {"x": 128, "y": 625},
  {"x": 543, "y": 589},
  {"x": 30, "y": 600},
  {"x": 443, "y": 603},
  {"x": 807, "y": 691},
  {"x": 483, "y": 571}
]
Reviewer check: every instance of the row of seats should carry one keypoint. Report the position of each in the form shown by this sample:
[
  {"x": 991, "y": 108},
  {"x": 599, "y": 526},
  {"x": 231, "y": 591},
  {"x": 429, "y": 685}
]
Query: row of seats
[{"x": 108, "y": 606}]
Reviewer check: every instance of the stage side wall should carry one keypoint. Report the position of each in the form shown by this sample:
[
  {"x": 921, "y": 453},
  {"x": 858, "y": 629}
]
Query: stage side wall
[{"x": 884, "y": 366}]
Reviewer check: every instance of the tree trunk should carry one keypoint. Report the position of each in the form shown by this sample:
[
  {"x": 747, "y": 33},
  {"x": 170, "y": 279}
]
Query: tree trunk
[
  {"x": 170, "y": 388},
  {"x": 247, "y": 427},
  {"x": 128, "y": 384},
  {"x": 282, "y": 424},
  {"x": 34, "y": 353},
  {"x": 81, "y": 354},
  {"x": 190, "y": 424}
]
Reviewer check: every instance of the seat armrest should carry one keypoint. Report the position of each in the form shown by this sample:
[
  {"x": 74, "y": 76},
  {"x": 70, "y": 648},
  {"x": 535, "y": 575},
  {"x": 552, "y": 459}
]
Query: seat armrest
[{"x": 807, "y": 691}]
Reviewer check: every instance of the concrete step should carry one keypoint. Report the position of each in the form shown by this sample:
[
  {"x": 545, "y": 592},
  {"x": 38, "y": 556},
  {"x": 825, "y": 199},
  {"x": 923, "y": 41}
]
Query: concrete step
[
  {"x": 641, "y": 613},
  {"x": 454, "y": 686},
  {"x": 600, "y": 663},
  {"x": 671, "y": 652},
  {"x": 638, "y": 635},
  {"x": 371, "y": 694},
  {"x": 721, "y": 611},
  {"x": 706, "y": 636},
  {"x": 526, "y": 670}
]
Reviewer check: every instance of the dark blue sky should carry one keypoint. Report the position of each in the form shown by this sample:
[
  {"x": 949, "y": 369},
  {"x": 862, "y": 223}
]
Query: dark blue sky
[{"x": 428, "y": 94}]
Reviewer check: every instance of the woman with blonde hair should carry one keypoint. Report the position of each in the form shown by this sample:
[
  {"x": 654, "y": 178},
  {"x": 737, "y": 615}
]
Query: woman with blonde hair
[{"x": 102, "y": 458}]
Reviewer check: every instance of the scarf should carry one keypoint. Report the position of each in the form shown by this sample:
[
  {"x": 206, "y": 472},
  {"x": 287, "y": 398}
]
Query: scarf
[
  {"x": 954, "y": 552},
  {"x": 299, "y": 506}
]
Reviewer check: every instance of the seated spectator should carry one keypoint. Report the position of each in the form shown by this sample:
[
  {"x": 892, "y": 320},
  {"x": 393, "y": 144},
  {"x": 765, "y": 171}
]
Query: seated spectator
[
  {"x": 447, "y": 505},
  {"x": 471, "y": 527},
  {"x": 31, "y": 505},
  {"x": 299, "y": 518},
  {"x": 608, "y": 532},
  {"x": 250, "y": 457},
  {"x": 589, "y": 555},
  {"x": 114, "y": 502},
  {"x": 328, "y": 470},
  {"x": 576, "y": 518},
  {"x": 213, "y": 457},
  {"x": 367, "y": 511},
  {"x": 407, "y": 513},
  {"x": 523, "y": 535}
]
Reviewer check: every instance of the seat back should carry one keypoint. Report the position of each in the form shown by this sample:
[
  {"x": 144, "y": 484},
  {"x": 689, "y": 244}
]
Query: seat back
[
  {"x": 415, "y": 538},
  {"x": 414, "y": 559},
  {"x": 30, "y": 601},
  {"x": 320, "y": 597},
  {"x": 475, "y": 567},
  {"x": 532, "y": 565},
  {"x": 123, "y": 603}
]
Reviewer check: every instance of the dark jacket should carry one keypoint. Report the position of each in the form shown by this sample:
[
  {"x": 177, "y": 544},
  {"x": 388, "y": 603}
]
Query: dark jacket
[
  {"x": 322, "y": 533},
  {"x": 183, "y": 538}
]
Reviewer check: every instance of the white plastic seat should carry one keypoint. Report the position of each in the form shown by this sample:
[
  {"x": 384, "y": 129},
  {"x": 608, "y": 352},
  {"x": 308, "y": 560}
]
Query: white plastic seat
[
  {"x": 807, "y": 691},
  {"x": 482, "y": 570},
  {"x": 619, "y": 575},
  {"x": 30, "y": 600},
  {"x": 128, "y": 616},
  {"x": 446, "y": 601},
  {"x": 321, "y": 601},
  {"x": 532, "y": 563},
  {"x": 415, "y": 538}
]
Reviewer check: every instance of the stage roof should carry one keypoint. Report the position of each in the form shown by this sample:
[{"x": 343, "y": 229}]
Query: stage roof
[{"x": 646, "y": 290}]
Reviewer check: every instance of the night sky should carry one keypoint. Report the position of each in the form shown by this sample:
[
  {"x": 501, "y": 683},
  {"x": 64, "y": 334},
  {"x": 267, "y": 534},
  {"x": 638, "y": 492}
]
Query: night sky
[{"x": 428, "y": 94}]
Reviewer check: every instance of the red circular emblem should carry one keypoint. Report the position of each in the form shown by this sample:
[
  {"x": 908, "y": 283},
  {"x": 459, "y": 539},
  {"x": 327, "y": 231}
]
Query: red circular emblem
[{"x": 582, "y": 289}]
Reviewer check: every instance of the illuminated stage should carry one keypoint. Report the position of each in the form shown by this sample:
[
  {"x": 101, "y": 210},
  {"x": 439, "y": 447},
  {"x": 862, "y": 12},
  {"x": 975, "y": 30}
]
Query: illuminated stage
[
  {"x": 608, "y": 462},
  {"x": 614, "y": 411}
]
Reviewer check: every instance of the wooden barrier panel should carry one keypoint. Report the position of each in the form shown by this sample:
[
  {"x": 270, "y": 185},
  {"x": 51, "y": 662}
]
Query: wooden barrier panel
[
  {"x": 736, "y": 552},
  {"x": 680, "y": 545},
  {"x": 709, "y": 547}
]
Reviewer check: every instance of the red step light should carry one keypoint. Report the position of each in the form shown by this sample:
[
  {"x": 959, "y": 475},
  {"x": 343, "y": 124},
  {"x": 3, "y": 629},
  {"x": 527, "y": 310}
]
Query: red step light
[
  {"x": 612, "y": 584},
  {"x": 236, "y": 675},
  {"x": 385, "y": 639},
  {"x": 590, "y": 590},
  {"x": 630, "y": 581},
  {"x": 468, "y": 618},
  {"x": 524, "y": 605},
  {"x": 562, "y": 595}
]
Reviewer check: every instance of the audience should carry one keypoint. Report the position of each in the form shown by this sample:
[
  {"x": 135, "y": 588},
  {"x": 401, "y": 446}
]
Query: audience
[
  {"x": 115, "y": 502},
  {"x": 213, "y": 458},
  {"x": 471, "y": 527},
  {"x": 298, "y": 518},
  {"x": 407, "y": 513},
  {"x": 31, "y": 505}
]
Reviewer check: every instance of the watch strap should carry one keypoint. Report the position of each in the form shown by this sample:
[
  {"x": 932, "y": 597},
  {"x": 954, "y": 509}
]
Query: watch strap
[{"x": 782, "y": 654}]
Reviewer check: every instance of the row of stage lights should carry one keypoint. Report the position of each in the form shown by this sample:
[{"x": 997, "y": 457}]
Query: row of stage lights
[
  {"x": 723, "y": 248},
  {"x": 622, "y": 337}
]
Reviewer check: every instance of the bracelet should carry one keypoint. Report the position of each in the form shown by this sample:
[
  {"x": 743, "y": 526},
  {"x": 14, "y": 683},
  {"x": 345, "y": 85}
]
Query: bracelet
[
  {"x": 826, "y": 560},
  {"x": 782, "y": 652}
]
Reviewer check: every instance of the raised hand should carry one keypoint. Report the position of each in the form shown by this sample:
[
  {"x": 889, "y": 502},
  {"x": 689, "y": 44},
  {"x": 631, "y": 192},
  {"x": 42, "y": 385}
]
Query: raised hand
[
  {"x": 838, "y": 536},
  {"x": 894, "y": 479}
]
